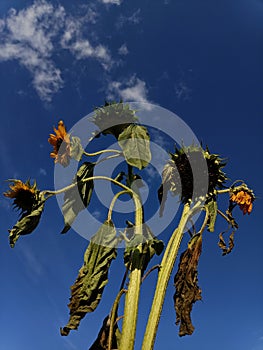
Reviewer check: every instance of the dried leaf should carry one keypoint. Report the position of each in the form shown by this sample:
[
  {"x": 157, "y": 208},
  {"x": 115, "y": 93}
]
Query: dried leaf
[
  {"x": 102, "y": 341},
  {"x": 186, "y": 284},
  {"x": 135, "y": 143},
  {"x": 211, "y": 208},
  {"x": 93, "y": 276},
  {"x": 78, "y": 198},
  {"x": 28, "y": 221},
  {"x": 222, "y": 244}
]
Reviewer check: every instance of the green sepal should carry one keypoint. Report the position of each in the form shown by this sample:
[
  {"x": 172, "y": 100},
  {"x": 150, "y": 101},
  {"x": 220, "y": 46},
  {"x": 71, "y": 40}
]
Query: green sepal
[
  {"x": 135, "y": 143},
  {"x": 93, "y": 276},
  {"x": 78, "y": 198}
]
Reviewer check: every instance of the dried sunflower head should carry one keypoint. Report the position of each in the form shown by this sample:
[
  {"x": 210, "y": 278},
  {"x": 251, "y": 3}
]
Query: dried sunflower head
[
  {"x": 25, "y": 195},
  {"x": 178, "y": 176},
  {"x": 188, "y": 157}
]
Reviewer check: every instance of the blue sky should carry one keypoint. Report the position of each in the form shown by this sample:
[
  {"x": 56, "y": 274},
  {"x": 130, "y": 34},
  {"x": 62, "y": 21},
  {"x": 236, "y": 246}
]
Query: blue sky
[{"x": 58, "y": 60}]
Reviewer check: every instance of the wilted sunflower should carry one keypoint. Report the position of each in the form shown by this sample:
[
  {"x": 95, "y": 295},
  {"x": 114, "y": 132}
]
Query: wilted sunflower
[
  {"x": 244, "y": 197},
  {"x": 25, "y": 195},
  {"x": 31, "y": 202},
  {"x": 61, "y": 143},
  {"x": 178, "y": 178}
]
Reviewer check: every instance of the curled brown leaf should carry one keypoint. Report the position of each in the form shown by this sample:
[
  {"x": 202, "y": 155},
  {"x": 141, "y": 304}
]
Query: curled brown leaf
[{"x": 186, "y": 285}]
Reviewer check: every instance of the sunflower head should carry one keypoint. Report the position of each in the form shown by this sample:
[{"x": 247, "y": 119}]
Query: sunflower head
[
  {"x": 61, "y": 145},
  {"x": 185, "y": 159},
  {"x": 244, "y": 197},
  {"x": 114, "y": 117},
  {"x": 24, "y": 194}
]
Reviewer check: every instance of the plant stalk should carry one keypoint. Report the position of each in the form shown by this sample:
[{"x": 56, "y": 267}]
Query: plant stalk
[
  {"x": 133, "y": 293},
  {"x": 166, "y": 268}
]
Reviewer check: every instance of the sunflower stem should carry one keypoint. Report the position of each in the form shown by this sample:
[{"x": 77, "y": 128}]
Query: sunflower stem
[
  {"x": 102, "y": 152},
  {"x": 165, "y": 271}
]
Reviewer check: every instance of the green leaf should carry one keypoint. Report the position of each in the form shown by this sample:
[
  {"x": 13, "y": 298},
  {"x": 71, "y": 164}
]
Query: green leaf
[
  {"x": 76, "y": 149},
  {"x": 141, "y": 248},
  {"x": 135, "y": 143},
  {"x": 78, "y": 198},
  {"x": 28, "y": 221},
  {"x": 93, "y": 276},
  {"x": 211, "y": 208}
]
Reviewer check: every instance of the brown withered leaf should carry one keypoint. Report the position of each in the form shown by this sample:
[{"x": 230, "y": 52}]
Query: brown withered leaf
[
  {"x": 222, "y": 244},
  {"x": 102, "y": 340},
  {"x": 186, "y": 285},
  {"x": 87, "y": 291}
]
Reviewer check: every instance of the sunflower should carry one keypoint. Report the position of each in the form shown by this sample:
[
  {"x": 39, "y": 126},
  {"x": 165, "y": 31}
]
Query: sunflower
[
  {"x": 25, "y": 195},
  {"x": 180, "y": 161},
  {"x": 244, "y": 197},
  {"x": 113, "y": 118},
  {"x": 61, "y": 143}
]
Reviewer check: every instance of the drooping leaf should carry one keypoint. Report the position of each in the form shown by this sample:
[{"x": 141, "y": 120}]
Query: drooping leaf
[
  {"x": 211, "y": 208},
  {"x": 102, "y": 341},
  {"x": 78, "y": 198},
  {"x": 135, "y": 143},
  {"x": 76, "y": 149},
  {"x": 141, "y": 248},
  {"x": 186, "y": 285},
  {"x": 93, "y": 276},
  {"x": 28, "y": 221}
]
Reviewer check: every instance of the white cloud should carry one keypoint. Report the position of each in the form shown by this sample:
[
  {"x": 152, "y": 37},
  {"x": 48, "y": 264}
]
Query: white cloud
[
  {"x": 115, "y": 2},
  {"x": 32, "y": 36},
  {"x": 123, "y": 50},
  {"x": 182, "y": 91},
  {"x": 72, "y": 40},
  {"x": 133, "y": 89},
  {"x": 134, "y": 18},
  {"x": 42, "y": 172},
  {"x": 27, "y": 37}
]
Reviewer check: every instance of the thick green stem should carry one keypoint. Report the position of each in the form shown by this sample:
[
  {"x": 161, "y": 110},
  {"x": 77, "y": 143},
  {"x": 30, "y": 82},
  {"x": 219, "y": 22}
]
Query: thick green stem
[
  {"x": 113, "y": 203},
  {"x": 131, "y": 311},
  {"x": 133, "y": 293},
  {"x": 167, "y": 265}
]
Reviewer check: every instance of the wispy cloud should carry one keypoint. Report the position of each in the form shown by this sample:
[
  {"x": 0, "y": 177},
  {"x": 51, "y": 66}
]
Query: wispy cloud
[
  {"x": 133, "y": 89},
  {"x": 115, "y": 2},
  {"x": 34, "y": 268},
  {"x": 42, "y": 172},
  {"x": 123, "y": 50},
  {"x": 134, "y": 18},
  {"x": 27, "y": 37},
  {"x": 34, "y": 34},
  {"x": 182, "y": 91}
]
